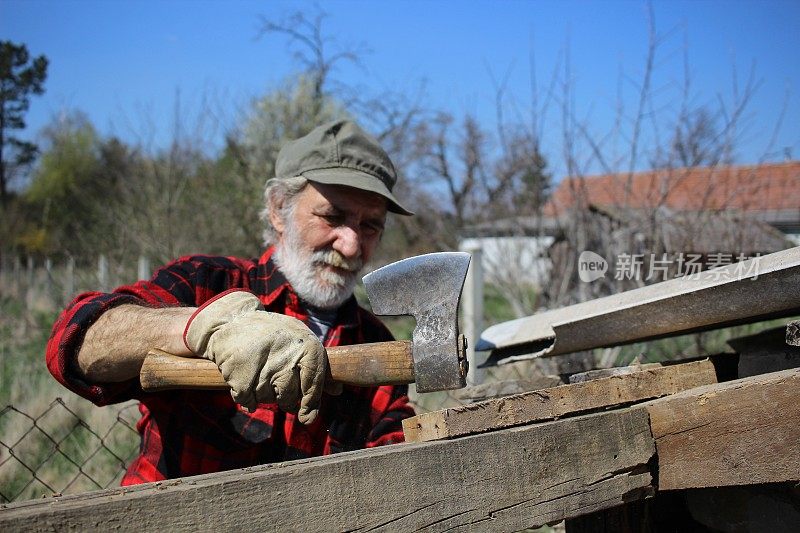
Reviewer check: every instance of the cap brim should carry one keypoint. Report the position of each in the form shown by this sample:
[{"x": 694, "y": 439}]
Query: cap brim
[{"x": 359, "y": 180}]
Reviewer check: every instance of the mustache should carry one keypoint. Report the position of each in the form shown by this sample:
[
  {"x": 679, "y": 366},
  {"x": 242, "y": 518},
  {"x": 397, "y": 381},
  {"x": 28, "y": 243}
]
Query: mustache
[{"x": 335, "y": 259}]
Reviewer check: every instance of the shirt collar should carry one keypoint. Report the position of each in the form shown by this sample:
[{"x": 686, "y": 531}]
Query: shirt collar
[{"x": 274, "y": 290}]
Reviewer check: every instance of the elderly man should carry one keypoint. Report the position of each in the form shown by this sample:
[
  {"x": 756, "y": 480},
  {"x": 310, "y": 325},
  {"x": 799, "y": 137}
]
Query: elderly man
[{"x": 263, "y": 322}]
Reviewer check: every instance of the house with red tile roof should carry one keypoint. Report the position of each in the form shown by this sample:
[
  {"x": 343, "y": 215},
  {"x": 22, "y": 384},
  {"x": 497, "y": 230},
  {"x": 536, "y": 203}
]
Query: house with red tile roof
[
  {"x": 768, "y": 193},
  {"x": 734, "y": 210}
]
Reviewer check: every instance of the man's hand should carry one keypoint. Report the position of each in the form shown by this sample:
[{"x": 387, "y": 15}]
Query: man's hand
[{"x": 264, "y": 357}]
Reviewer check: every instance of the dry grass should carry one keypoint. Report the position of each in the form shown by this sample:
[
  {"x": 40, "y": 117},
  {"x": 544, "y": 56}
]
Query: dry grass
[{"x": 49, "y": 445}]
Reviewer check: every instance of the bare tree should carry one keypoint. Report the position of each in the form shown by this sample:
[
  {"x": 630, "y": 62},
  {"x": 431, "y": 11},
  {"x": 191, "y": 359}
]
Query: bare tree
[
  {"x": 391, "y": 116},
  {"x": 649, "y": 156},
  {"x": 318, "y": 53}
]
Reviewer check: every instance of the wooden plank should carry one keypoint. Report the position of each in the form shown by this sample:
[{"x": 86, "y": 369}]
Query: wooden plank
[
  {"x": 556, "y": 402},
  {"x": 598, "y": 373},
  {"x": 503, "y": 481},
  {"x": 499, "y": 389},
  {"x": 736, "y": 433}
]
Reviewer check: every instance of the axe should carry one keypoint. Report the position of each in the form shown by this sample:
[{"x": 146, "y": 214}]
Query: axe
[{"x": 427, "y": 287}]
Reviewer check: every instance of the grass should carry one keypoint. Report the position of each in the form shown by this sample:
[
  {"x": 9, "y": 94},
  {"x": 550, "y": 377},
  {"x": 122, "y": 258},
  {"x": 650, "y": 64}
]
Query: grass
[
  {"x": 71, "y": 445},
  {"x": 496, "y": 308},
  {"x": 23, "y": 335}
]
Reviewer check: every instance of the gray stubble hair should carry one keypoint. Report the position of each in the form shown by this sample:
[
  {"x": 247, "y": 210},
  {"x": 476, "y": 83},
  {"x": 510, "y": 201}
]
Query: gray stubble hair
[{"x": 280, "y": 191}]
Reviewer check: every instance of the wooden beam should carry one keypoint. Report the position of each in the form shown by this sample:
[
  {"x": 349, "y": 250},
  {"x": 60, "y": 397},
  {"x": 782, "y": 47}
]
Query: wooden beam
[
  {"x": 736, "y": 433},
  {"x": 556, "y": 402},
  {"x": 506, "y": 480},
  {"x": 498, "y": 389},
  {"x": 598, "y": 373}
]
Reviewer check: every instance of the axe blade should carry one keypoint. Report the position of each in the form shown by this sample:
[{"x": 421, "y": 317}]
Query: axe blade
[{"x": 427, "y": 287}]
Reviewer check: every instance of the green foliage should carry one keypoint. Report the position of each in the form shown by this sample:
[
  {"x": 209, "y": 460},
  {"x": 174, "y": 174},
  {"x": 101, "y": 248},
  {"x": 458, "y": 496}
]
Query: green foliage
[
  {"x": 92, "y": 195},
  {"x": 66, "y": 192},
  {"x": 26, "y": 385},
  {"x": 70, "y": 159},
  {"x": 20, "y": 77},
  {"x": 287, "y": 113},
  {"x": 496, "y": 308}
]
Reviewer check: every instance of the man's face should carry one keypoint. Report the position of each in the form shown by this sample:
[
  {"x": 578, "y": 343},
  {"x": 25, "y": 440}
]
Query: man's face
[{"x": 331, "y": 232}]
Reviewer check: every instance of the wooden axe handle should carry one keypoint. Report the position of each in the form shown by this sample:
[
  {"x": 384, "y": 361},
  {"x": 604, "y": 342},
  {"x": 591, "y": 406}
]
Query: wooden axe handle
[{"x": 378, "y": 363}]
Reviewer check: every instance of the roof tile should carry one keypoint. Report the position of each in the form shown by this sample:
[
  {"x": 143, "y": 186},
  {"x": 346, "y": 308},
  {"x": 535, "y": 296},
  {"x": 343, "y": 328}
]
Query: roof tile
[{"x": 767, "y": 187}]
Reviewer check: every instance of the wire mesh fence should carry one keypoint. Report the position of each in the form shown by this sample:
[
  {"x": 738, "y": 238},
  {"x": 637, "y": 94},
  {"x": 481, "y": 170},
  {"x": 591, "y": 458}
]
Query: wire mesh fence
[
  {"x": 57, "y": 452},
  {"x": 68, "y": 447}
]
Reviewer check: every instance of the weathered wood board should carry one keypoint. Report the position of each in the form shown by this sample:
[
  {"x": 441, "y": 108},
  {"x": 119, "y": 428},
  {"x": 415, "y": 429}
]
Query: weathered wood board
[
  {"x": 503, "y": 481},
  {"x": 741, "y": 432},
  {"x": 598, "y": 373},
  {"x": 556, "y": 402},
  {"x": 498, "y": 389}
]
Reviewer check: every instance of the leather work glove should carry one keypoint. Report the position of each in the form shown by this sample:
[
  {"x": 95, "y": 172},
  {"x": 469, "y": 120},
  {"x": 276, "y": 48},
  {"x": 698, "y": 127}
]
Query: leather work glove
[{"x": 264, "y": 357}]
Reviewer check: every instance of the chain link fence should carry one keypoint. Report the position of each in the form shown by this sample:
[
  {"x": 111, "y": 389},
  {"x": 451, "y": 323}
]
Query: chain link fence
[
  {"x": 69, "y": 446},
  {"x": 57, "y": 452}
]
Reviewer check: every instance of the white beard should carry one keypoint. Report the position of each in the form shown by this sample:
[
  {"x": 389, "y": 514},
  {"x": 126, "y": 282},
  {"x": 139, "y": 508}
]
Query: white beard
[{"x": 308, "y": 274}]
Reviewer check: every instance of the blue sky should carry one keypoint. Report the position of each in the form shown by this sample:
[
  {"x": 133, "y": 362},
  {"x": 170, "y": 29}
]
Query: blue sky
[{"x": 119, "y": 60}]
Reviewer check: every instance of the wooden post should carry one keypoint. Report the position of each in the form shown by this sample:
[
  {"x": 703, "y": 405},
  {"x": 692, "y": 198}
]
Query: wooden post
[
  {"x": 102, "y": 273},
  {"x": 17, "y": 276},
  {"x": 143, "y": 268},
  {"x": 472, "y": 310},
  {"x": 69, "y": 279},
  {"x": 49, "y": 285},
  {"x": 5, "y": 268},
  {"x": 28, "y": 296},
  {"x": 29, "y": 273}
]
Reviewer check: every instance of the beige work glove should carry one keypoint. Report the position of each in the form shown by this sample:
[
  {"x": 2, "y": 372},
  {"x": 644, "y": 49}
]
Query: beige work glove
[{"x": 264, "y": 357}]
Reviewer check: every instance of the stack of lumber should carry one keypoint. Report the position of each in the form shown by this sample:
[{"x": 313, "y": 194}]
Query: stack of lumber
[{"x": 498, "y": 465}]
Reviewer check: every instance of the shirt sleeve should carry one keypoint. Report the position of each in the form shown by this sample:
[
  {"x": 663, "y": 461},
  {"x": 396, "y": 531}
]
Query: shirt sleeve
[
  {"x": 186, "y": 281},
  {"x": 389, "y": 408},
  {"x": 69, "y": 331}
]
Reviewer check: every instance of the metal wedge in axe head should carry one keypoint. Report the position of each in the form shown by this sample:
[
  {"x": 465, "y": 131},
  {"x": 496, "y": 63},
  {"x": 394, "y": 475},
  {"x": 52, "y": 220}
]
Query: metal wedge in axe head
[{"x": 427, "y": 287}]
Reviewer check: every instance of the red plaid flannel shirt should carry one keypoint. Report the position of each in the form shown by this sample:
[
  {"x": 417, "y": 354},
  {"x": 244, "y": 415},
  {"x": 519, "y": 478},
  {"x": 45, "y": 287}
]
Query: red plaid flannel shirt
[{"x": 195, "y": 432}]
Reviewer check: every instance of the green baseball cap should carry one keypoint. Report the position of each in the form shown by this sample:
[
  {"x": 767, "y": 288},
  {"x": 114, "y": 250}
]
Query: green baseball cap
[{"x": 341, "y": 153}]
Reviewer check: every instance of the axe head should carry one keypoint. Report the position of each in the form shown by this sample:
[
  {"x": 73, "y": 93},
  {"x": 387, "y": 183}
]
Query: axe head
[{"x": 427, "y": 287}]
